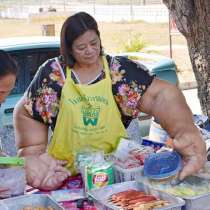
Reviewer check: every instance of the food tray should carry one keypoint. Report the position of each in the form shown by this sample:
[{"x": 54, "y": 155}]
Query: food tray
[
  {"x": 124, "y": 175},
  {"x": 199, "y": 202},
  {"x": 102, "y": 195},
  {"x": 34, "y": 200}
]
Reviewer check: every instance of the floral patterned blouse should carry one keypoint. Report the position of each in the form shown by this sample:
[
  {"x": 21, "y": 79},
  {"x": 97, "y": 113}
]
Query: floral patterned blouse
[{"x": 129, "y": 82}]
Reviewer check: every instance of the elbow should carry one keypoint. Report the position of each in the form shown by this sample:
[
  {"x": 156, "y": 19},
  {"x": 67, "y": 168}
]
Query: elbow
[
  {"x": 19, "y": 117},
  {"x": 20, "y": 112}
]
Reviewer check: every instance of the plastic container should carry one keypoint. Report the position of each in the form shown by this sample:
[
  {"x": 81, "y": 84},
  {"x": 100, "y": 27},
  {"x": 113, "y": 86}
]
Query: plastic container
[
  {"x": 12, "y": 176},
  {"x": 130, "y": 174},
  {"x": 102, "y": 195},
  {"x": 162, "y": 165},
  {"x": 34, "y": 200},
  {"x": 198, "y": 202},
  {"x": 195, "y": 192}
]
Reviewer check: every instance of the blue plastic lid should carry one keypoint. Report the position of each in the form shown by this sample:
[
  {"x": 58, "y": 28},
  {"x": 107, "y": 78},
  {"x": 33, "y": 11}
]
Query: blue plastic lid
[{"x": 162, "y": 165}]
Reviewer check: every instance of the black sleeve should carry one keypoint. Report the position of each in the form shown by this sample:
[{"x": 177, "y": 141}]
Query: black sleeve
[
  {"x": 43, "y": 93},
  {"x": 130, "y": 81}
]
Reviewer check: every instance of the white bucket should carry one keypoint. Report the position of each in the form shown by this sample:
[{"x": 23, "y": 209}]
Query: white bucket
[{"x": 157, "y": 133}]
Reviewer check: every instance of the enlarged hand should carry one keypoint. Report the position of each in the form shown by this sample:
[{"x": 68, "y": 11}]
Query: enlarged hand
[
  {"x": 192, "y": 148},
  {"x": 44, "y": 172}
]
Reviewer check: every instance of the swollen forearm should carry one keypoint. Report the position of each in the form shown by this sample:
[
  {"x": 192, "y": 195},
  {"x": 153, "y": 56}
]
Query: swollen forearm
[
  {"x": 171, "y": 109},
  {"x": 31, "y": 136},
  {"x": 167, "y": 103}
]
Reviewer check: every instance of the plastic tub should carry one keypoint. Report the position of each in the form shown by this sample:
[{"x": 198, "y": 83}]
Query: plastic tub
[
  {"x": 102, "y": 195},
  {"x": 130, "y": 174},
  {"x": 34, "y": 200}
]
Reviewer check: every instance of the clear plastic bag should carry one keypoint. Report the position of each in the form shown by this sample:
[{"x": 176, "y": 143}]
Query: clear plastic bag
[
  {"x": 13, "y": 179},
  {"x": 12, "y": 176}
]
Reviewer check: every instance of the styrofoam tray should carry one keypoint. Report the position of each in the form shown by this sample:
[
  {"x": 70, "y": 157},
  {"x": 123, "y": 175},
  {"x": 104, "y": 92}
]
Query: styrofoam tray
[
  {"x": 102, "y": 195},
  {"x": 33, "y": 200}
]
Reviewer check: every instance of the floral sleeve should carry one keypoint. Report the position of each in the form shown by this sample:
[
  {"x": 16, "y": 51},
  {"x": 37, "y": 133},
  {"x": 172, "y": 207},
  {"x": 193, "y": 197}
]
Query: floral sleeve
[
  {"x": 43, "y": 94},
  {"x": 130, "y": 81}
]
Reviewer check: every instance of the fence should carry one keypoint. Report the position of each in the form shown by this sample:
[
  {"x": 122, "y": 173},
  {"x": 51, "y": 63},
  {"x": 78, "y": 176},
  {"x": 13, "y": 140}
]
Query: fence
[{"x": 102, "y": 10}]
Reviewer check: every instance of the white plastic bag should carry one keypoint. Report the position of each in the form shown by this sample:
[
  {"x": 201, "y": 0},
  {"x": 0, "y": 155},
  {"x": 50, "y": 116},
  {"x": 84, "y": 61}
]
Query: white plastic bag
[{"x": 13, "y": 180}]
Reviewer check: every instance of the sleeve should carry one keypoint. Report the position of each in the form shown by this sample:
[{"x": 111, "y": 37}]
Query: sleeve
[
  {"x": 44, "y": 92},
  {"x": 130, "y": 80}
]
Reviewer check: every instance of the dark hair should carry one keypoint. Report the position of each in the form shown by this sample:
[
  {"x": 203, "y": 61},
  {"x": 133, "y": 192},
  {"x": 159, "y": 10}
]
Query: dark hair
[
  {"x": 7, "y": 64},
  {"x": 73, "y": 27}
]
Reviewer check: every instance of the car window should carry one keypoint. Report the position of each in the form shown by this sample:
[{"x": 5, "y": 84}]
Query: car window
[{"x": 29, "y": 62}]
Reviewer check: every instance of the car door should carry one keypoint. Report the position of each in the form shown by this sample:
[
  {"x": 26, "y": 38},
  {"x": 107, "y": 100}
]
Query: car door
[{"x": 28, "y": 62}]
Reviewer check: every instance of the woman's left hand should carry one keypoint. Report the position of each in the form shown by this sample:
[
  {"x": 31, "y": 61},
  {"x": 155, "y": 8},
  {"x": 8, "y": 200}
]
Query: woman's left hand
[{"x": 193, "y": 150}]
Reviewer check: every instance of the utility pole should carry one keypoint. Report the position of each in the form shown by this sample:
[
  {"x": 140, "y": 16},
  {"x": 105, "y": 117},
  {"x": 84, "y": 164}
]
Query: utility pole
[
  {"x": 64, "y": 5},
  {"x": 131, "y": 10}
]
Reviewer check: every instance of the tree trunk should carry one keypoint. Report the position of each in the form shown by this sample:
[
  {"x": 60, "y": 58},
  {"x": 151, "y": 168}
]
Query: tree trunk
[{"x": 193, "y": 21}]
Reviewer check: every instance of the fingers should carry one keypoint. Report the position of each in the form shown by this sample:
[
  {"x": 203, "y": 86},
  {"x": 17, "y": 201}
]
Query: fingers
[
  {"x": 49, "y": 160},
  {"x": 193, "y": 153},
  {"x": 53, "y": 180},
  {"x": 60, "y": 177},
  {"x": 5, "y": 193},
  {"x": 62, "y": 162},
  {"x": 191, "y": 165},
  {"x": 62, "y": 169},
  {"x": 34, "y": 181}
]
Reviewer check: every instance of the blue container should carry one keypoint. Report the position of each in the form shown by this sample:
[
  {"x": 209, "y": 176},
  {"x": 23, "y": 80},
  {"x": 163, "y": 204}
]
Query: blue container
[
  {"x": 155, "y": 145},
  {"x": 162, "y": 165}
]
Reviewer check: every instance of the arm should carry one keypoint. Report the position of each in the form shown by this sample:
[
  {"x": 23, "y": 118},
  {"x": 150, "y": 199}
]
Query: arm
[
  {"x": 166, "y": 102},
  {"x": 31, "y": 135},
  {"x": 42, "y": 170}
]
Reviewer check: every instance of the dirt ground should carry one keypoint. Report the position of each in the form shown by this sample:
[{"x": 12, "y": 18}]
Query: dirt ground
[{"x": 114, "y": 35}]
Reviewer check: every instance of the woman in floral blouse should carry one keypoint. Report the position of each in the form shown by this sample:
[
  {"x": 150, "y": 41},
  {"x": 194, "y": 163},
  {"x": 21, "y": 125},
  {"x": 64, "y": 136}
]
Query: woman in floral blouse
[{"x": 88, "y": 99}]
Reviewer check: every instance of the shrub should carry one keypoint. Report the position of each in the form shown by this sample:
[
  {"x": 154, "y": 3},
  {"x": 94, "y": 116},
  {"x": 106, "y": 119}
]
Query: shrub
[{"x": 134, "y": 44}]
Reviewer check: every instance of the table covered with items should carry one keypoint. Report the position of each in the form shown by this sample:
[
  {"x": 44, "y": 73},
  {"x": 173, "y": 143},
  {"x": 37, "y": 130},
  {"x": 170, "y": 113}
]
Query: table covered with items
[{"x": 138, "y": 175}]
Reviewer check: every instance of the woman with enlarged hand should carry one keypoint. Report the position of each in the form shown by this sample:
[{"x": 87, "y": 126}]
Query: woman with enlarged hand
[{"x": 88, "y": 98}]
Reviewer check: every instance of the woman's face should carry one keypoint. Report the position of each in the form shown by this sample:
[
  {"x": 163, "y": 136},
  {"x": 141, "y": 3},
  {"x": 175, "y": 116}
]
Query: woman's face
[
  {"x": 86, "y": 48},
  {"x": 7, "y": 83}
]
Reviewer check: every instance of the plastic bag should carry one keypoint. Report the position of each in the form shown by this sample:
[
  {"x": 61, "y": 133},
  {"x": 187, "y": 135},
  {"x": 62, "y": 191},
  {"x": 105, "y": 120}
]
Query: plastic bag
[{"x": 12, "y": 177}]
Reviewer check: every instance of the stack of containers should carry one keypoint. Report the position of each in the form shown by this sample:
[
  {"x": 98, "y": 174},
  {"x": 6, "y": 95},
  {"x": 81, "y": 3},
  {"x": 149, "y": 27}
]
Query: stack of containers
[
  {"x": 125, "y": 150},
  {"x": 162, "y": 169}
]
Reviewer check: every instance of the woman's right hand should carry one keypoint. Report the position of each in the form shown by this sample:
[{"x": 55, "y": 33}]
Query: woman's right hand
[{"x": 45, "y": 172}]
